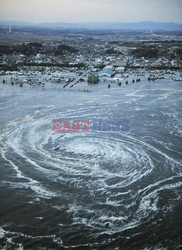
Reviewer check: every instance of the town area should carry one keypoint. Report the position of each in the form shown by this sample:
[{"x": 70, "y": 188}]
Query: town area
[{"x": 71, "y": 59}]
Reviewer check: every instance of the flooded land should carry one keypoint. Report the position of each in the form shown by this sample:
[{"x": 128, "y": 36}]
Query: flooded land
[{"x": 107, "y": 175}]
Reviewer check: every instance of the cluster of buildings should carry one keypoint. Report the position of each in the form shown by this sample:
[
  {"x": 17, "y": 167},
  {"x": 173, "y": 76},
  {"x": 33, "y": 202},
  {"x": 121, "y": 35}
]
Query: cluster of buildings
[{"x": 98, "y": 56}]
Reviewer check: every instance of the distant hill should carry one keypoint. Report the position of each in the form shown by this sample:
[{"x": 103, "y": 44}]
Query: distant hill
[
  {"x": 101, "y": 25},
  {"x": 140, "y": 26},
  {"x": 15, "y": 23}
]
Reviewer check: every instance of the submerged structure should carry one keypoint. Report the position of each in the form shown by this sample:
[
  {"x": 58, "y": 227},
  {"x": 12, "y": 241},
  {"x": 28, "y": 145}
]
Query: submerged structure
[{"x": 93, "y": 78}]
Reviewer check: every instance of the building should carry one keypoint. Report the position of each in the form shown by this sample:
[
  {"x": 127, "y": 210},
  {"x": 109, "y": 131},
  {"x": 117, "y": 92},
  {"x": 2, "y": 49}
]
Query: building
[
  {"x": 120, "y": 69},
  {"x": 93, "y": 78},
  {"x": 106, "y": 72}
]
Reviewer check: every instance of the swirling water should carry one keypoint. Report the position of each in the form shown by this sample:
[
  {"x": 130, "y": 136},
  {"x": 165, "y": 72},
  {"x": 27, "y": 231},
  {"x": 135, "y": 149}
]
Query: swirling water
[{"x": 94, "y": 189}]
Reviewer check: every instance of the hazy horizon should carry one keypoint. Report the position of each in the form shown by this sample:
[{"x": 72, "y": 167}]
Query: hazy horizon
[
  {"x": 78, "y": 11},
  {"x": 81, "y": 22}
]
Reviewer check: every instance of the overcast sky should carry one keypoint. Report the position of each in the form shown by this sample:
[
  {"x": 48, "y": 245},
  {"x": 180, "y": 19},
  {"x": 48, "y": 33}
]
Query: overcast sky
[{"x": 91, "y": 10}]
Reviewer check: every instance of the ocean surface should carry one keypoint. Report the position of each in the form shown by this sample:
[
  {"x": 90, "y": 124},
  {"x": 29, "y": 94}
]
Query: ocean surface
[{"x": 111, "y": 189}]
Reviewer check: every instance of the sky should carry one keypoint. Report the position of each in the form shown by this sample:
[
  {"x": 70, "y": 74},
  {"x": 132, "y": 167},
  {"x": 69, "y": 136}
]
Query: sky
[{"x": 91, "y": 10}]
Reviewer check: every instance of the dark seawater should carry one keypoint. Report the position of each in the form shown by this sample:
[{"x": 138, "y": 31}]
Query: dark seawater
[{"x": 96, "y": 189}]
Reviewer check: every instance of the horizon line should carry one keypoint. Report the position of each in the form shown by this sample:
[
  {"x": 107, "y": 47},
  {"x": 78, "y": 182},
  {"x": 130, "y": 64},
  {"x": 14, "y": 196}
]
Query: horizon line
[{"x": 87, "y": 22}]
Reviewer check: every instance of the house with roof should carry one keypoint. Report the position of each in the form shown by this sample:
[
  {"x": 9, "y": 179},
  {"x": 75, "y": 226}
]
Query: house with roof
[{"x": 108, "y": 71}]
